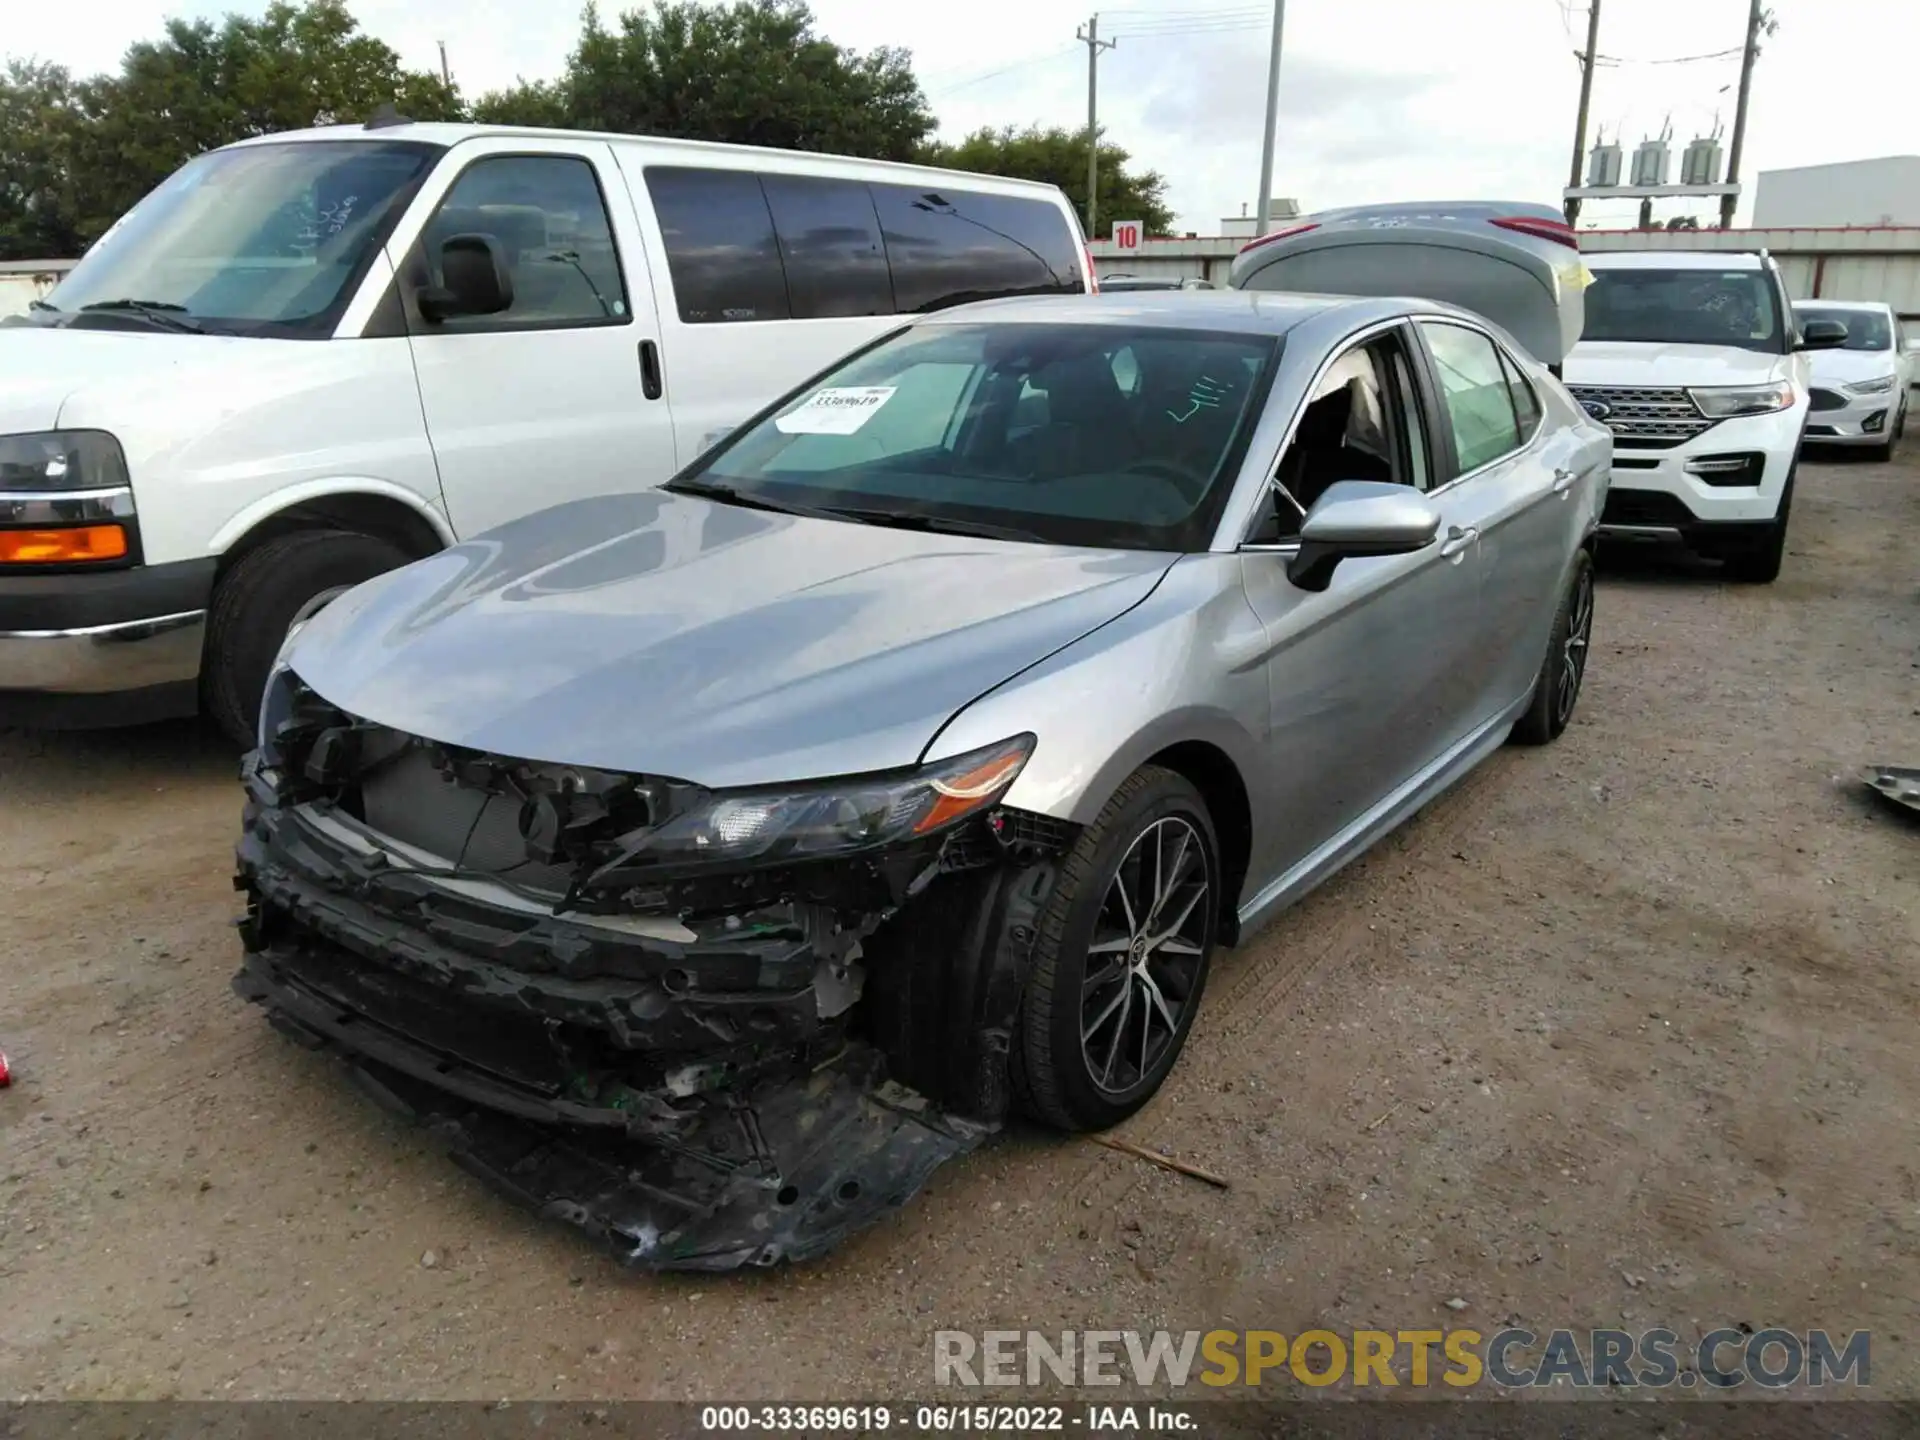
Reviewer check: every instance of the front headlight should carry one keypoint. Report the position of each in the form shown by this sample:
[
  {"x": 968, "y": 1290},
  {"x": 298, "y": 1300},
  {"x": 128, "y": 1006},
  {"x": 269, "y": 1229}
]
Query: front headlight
[
  {"x": 831, "y": 818},
  {"x": 1724, "y": 402},
  {"x": 1878, "y": 386},
  {"x": 62, "y": 460}
]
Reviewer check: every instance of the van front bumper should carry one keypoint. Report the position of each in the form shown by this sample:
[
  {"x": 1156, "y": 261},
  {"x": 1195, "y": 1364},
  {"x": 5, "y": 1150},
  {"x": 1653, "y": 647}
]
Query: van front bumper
[{"x": 121, "y": 647}]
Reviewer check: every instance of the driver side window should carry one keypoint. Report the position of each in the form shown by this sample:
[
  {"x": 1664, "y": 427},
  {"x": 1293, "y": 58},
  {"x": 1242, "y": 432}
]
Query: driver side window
[{"x": 1362, "y": 422}]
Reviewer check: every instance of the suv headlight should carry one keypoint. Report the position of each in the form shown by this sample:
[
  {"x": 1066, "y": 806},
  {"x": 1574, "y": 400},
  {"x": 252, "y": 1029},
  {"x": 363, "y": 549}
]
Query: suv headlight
[
  {"x": 1878, "y": 386},
  {"x": 831, "y": 818},
  {"x": 1724, "y": 402}
]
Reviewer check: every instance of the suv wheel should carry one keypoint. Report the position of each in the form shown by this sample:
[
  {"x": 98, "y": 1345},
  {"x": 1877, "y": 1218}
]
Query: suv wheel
[
  {"x": 1125, "y": 942},
  {"x": 286, "y": 579},
  {"x": 1758, "y": 562},
  {"x": 1556, "y": 690}
]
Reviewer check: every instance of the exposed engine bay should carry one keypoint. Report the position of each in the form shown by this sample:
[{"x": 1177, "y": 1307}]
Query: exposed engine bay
[{"x": 703, "y": 1064}]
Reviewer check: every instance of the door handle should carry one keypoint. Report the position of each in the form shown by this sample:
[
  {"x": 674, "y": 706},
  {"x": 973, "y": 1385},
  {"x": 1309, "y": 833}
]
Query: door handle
[
  {"x": 1457, "y": 541},
  {"x": 650, "y": 385},
  {"x": 1562, "y": 481}
]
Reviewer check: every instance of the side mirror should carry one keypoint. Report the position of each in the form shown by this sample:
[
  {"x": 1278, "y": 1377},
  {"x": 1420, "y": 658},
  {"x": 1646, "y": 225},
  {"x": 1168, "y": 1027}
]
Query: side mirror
[
  {"x": 1822, "y": 335},
  {"x": 478, "y": 281},
  {"x": 1356, "y": 518}
]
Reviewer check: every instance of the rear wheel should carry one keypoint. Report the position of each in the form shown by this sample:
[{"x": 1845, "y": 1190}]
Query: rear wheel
[
  {"x": 284, "y": 580},
  {"x": 1556, "y": 690},
  {"x": 1122, "y": 957}
]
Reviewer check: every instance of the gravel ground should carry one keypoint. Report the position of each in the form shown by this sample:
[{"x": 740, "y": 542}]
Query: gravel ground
[{"x": 1621, "y": 1032}]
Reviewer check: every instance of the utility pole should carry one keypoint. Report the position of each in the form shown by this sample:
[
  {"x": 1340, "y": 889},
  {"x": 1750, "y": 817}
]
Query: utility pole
[
  {"x": 1586, "y": 94},
  {"x": 1089, "y": 35},
  {"x": 1263, "y": 219},
  {"x": 446, "y": 74},
  {"x": 1756, "y": 17}
]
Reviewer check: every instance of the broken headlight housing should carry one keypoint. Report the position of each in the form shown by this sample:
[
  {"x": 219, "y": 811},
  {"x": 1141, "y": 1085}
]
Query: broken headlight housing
[{"x": 833, "y": 817}]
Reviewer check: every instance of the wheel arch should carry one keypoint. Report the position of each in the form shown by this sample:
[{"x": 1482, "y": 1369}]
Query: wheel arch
[
  {"x": 369, "y": 507},
  {"x": 1212, "y": 772}
]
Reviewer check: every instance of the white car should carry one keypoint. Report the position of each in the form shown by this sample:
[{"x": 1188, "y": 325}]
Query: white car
[
  {"x": 1694, "y": 361},
  {"x": 1860, "y": 387}
]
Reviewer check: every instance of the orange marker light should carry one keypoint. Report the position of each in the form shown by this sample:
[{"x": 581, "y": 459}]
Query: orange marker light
[
  {"x": 63, "y": 547},
  {"x": 970, "y": 791}
]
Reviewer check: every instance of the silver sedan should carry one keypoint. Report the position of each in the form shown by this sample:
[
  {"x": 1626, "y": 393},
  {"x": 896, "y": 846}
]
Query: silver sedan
[{"x": 714, "y": 859}]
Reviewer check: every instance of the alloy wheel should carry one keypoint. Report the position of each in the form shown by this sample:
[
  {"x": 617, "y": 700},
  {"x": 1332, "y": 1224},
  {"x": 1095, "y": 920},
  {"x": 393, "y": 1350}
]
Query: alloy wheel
[
  {"x": 1573, "y": 653},
  {"x": 1143, "y": 967}
]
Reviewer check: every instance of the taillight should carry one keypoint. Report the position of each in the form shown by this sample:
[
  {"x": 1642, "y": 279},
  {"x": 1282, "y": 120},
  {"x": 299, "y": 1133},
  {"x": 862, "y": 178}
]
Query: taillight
[
  {"x": 1541, "y": 228},
  {"x": 1279, "y": 235},
  {"x": 1093, "y": 276}
]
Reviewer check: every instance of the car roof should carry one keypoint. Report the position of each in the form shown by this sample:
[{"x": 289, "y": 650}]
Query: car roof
[
  {"x": 1877, "y": 307},
  {"x": 449, "y": 135},
  {"x": 1249, "y": 312},
  {"x": 1672, "y": 259}
]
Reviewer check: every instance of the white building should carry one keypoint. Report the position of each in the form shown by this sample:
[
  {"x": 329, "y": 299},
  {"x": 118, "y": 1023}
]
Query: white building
[
  {"x": 1855, "y": 192},
  {"x": 1240, "y": 227}
]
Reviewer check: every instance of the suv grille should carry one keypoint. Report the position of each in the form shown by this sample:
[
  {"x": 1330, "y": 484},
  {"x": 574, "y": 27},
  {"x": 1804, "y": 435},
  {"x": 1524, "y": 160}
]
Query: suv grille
[{"x": 1640, "y": 415}]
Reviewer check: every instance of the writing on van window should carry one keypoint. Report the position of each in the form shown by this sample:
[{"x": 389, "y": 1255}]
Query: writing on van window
[
  {"x": 839, "y": 410},
  {"x": 322, "y": 223}
]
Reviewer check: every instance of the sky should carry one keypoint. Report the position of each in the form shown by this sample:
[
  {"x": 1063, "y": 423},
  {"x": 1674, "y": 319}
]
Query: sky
[{"x": 1379, "y": 99}]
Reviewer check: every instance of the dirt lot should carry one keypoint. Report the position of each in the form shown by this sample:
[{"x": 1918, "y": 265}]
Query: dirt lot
[{"x": 1639, "y": 1005}]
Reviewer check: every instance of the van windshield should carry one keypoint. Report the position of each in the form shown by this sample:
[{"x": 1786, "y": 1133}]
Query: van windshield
[
  {"x": 1685, "y": 307},
  {"x": 263, "y": 239},
  {"x": 1067, "y": 434}
]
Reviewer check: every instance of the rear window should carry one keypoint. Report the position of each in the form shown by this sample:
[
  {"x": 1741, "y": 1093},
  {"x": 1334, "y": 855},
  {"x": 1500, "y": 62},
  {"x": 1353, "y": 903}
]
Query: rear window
[
  {"x": 1738, "y": 308},
  {"x": 746, "y": 246},
  {"x": 1866, "y": 329}
]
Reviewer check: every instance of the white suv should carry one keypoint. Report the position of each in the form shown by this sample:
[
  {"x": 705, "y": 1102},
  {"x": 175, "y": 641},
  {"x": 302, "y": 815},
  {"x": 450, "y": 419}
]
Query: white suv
[{"x": 1694, "y": 361}]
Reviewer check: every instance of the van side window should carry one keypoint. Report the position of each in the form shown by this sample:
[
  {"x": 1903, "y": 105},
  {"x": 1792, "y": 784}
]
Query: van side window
[
  {"x": 830, "y": 240},
  {"x": 547, "y": 215},
  {"x": 721, "y": 248},
  {"x": 1474, "y": 391},
  {"x": 950, "y": 246}
]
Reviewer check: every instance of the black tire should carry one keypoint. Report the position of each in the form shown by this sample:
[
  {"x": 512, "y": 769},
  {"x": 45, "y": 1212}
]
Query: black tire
[
  {"x": 260, "y": 597},
  {"x": 1758, "y": 562},
  {"x": 1883, "y": 452},
  {"x": 1056, "y": 1080},
  {"x": 1556, "y": 689}
]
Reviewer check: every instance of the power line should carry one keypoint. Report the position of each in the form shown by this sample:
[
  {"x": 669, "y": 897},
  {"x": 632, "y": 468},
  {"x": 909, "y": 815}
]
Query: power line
[
  {"x": 1003, "y": 70},
  {"x": 1673, "y": 59}
]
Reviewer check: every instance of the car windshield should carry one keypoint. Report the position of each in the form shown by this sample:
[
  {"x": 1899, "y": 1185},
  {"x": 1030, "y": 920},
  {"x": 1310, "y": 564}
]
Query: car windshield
[
  {"x": 1866, "y": 329},
  {"x": 1107, "y": 435},
  {"x": 1684, "y": 307},
  {"x": 263, "y": 239}
]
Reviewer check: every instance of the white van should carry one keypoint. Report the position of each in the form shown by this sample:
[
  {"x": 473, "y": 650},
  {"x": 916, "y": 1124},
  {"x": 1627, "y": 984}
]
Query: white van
[{"x": 308, "y": 358}]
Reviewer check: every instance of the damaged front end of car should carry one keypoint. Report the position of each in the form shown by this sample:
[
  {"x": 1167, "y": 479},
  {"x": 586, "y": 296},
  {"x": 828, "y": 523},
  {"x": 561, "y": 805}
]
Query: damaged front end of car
[{"x": 711, "y": 1029}]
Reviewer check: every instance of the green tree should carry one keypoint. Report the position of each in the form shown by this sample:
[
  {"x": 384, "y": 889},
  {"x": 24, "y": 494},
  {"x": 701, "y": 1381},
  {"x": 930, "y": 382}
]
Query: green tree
[
  {"x": 98, "y": 145},
  {"x": 37, "y": 114},
  {"x": 754, "y": 72},
  {"x": 1059, "y": 156}
]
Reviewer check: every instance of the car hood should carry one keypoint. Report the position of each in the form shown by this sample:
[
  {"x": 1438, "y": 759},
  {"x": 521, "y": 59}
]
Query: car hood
[
  {"x": 43, "y": 366},
  {"x": 1629, "y": 362},
  {"x": 1843, "y": 367},
  {"x": 675, "y": 636}
]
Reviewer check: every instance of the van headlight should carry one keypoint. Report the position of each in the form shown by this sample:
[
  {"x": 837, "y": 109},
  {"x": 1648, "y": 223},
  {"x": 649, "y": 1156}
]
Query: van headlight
[
  {"x": 1879, "y": 386},
  {"x": 804, "y": 822},
  {"x": 1724, "y": 402},
  {"x": 58, "y": 461}
]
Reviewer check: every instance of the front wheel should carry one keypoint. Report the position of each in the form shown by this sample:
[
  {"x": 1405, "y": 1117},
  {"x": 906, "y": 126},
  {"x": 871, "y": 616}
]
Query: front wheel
[
  {"x": 1122, "y": 957},
  {"x": 1556, "y": 689},
  {"x": 270, "y": 587}
]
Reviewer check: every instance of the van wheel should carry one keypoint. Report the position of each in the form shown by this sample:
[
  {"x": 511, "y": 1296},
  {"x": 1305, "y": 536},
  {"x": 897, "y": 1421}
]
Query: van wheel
[
  {"x": 1122, "y": 957},
  {"x": 270, "y": 587}
]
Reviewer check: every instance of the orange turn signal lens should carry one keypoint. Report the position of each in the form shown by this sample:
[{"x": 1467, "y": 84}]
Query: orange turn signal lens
[
  {"x": 962, "y": 794},
  {"x": 66, "y": 546}
]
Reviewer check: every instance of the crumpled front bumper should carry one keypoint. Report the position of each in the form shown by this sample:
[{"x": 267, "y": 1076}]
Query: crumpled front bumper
[{"x": 691, "y": 1101}]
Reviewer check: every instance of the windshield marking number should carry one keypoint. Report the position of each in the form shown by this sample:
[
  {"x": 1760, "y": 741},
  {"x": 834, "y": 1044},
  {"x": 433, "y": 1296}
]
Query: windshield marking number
[{"x": 837, "y": 410}]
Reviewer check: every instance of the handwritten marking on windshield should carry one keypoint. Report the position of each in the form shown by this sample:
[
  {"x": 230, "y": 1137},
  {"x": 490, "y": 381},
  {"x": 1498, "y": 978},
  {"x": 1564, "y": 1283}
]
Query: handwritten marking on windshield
[{"x": 1207, "y": 393}]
